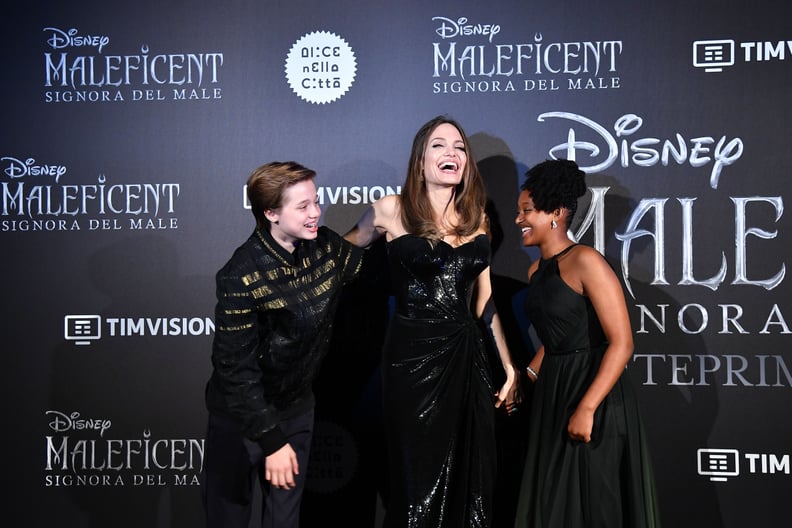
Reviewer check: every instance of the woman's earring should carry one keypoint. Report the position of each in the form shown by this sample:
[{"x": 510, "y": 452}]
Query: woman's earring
[{"x": 553, "y": 224}]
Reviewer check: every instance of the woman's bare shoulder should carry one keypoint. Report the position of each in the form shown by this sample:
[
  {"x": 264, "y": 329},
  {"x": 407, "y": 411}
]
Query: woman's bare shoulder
[
  {"x": 387, "y": 213},
  {"x": 388, "y": 207},
  {"x": 389, "y": 203}
]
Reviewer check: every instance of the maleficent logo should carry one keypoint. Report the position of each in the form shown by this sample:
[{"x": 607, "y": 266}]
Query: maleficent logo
[
  {"x": 37, "y": 196},
  {"x": 78, "y": 70},
  {"x": 79, "y": 452},
  {"x": 463, "y": 64}
]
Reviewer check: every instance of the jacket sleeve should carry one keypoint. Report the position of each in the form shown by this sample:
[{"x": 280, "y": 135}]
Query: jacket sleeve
[
  {"x": 235, "y": 359},
  {"x": 348, "y": 255}
]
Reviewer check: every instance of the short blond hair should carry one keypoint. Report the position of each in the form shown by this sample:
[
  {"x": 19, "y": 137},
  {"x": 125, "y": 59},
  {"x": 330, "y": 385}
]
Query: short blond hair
[{"x": 268, "y": 183}]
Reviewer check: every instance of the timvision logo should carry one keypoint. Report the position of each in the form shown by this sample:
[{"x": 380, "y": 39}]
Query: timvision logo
[
  {"x": 719, "y": 465},
  {"x": 85, "y": 329},
  {"x": 715, "y": 55}
]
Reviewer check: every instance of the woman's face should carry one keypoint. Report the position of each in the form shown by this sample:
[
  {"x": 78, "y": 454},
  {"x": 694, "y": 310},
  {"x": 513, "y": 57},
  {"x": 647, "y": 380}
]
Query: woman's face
[
  {"x": 533, "y": 224},
  {"x": 298, "y": 217},
  {"x": 445, "y": 157}
]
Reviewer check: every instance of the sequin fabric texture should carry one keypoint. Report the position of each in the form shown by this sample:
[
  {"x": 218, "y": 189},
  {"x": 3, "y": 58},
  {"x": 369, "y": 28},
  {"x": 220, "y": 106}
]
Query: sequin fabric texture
[{"x": 437, "y": 390}]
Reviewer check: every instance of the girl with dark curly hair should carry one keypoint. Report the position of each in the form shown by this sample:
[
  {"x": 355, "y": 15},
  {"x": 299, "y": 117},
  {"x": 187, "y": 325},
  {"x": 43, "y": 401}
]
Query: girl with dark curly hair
[{"x": 587, "y": 463}]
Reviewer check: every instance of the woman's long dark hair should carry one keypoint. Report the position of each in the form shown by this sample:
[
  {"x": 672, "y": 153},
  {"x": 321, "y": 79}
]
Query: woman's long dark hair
[{"x": 469, "y": 196}]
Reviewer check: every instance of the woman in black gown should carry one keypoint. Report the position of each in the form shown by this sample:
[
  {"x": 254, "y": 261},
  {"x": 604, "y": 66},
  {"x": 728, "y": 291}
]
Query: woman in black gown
[
  {"x": 439, "y": 402},
  {"x": 587, "y": 463}
]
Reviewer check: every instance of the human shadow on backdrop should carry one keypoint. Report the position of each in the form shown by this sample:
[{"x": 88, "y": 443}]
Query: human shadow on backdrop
[
  {"x": 348, "y": 475},
  {"x": 502, "y": 177},
  {"x": 678, "y": 419}
]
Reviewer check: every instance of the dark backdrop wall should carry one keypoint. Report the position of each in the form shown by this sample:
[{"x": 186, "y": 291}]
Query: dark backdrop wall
[{"x": 129, "y": 128}]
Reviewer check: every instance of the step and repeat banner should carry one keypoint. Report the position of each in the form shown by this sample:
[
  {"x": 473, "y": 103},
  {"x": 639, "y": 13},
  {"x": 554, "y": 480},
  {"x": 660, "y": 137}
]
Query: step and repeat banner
[{"x": 129, "y": 129}]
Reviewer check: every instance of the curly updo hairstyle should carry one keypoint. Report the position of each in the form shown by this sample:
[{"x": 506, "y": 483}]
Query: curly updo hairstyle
[{"x": 554, "y": 184}]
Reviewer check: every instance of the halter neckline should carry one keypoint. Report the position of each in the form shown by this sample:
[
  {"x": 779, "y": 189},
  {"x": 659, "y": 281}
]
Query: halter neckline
[{"x": 562, "y": 252}]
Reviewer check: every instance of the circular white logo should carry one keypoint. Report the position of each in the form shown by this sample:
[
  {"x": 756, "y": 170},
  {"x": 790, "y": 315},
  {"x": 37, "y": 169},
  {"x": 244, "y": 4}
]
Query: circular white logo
[
  {"x": 334, "y": 458},
  {"x": 320, "y": 67}
]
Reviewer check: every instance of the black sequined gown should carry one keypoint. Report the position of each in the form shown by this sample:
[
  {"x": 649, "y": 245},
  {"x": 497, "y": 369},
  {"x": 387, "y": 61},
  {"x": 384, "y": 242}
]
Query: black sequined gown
[
  {"x": 608, "y": 482},
  {"x": 438, "y": 395}
]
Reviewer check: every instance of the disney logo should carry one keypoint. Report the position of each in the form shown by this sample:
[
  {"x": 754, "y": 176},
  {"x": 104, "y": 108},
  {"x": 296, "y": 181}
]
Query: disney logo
[
  {"x": 460, "y": 28},
  {"x": 645, "y": 151},
  {"x": 63, "y": 39},
  {"x": 19, "y": 169},
  {"x": 62, "y": 423}
]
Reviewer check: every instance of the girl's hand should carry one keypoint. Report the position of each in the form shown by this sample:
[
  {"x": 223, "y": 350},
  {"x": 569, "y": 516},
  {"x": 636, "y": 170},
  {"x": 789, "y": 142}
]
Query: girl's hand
[
  {"x": 580, "y": 425},
  {"x": 509, "y": 394}
]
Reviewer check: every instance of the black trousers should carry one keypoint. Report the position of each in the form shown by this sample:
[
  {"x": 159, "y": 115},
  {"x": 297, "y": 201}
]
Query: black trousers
[{"x": 233, "y": 464}]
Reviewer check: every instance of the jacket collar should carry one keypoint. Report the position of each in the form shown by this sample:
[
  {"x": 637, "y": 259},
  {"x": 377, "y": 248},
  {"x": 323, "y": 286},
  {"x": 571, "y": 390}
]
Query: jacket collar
[{"x": 276, "y": 249}]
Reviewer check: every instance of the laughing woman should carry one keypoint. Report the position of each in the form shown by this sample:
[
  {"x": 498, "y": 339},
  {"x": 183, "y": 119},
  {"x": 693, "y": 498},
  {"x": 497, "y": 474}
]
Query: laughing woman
[
  {"x": 587, "y": 463},
  {"x": 439, "y": 402}
]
